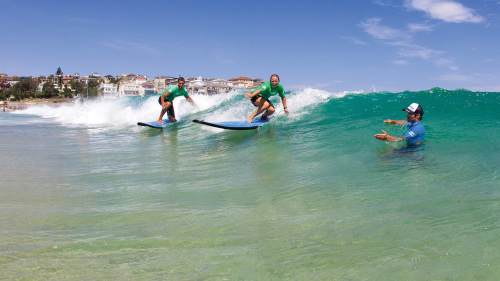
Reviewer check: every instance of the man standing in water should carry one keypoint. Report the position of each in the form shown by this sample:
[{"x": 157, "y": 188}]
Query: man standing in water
[
  {"x": 416, "y": 132},
  {"x": 168, "y": 97},
  {"x": 260, "y": 98}
]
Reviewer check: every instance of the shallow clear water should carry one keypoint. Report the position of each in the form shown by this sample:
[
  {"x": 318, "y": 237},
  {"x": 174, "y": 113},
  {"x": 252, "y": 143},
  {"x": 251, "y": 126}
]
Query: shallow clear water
[{"x": 87, "y": 194}]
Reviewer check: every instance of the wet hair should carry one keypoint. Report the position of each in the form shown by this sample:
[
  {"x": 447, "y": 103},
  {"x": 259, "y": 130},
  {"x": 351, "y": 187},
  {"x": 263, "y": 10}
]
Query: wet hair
[
  {"x": 181, "y": 79},
  {"x": 273, "y": 76}
]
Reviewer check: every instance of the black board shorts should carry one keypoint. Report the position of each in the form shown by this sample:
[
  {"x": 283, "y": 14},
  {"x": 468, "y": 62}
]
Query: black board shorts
[
  {"x": 254, "y": 99},
  {"x": 170, "y": 111}
]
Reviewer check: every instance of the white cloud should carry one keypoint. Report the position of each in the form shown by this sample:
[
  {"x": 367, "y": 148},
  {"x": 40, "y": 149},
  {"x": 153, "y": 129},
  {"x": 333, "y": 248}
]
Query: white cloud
[
  {"x": 445, "y": 10},
  {"x": 385, "y": 3},
  {"x": 412, "y": 50},
  {"x": 373, "y": 27},
  {"x": 400, "y": 62},
  {"x": 417, "y": 51},
  {"x": 353, "y": 40},
  {"x": 482, "y": 82},
  {"x": 402, "y": 40},
  {"x": 416, "y": 27},
  {"x": 443, "y": 61}
]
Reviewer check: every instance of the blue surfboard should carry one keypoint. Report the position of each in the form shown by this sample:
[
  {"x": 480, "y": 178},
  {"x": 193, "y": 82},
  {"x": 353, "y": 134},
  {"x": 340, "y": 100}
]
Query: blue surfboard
[
  {"x": 235, "y": 125},
  {"x": 155, "y": 124}
]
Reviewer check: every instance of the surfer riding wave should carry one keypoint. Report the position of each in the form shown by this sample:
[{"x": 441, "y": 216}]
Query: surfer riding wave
[{"x": 260, "y": 98}]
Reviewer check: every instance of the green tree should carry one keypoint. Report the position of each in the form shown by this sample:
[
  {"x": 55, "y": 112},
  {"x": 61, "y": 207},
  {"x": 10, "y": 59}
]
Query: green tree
[
  {"x": 59, "y": 74},
  {"x": 93, "y": 88},
  {"x": 67, "y": 93},
  {"x": 16, "y": 93},
  {"x": 78, "y": 86},
  {"x": 27, "y": 86},
  {"x": 23, "y": 89},
  {"x": 114, "y": 81},
  {"x": 48, "y": 90}
]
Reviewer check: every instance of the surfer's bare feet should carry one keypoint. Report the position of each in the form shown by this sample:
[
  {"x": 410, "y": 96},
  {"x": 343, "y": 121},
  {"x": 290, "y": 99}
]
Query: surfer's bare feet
[
  {"x": 249, "y": 120},
  {"x": 159, "y": 121},
  {"x": 264, "y": 118}
]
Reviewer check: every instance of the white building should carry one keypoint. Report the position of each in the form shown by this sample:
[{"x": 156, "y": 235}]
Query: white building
[
  {"x": 198, "y": 81},
  {"x": 139, "y": 80},
  {"x": 148, "y": 89},
  {"x": 136, "y": 87},
  {"x": 127, "y": 89},
  {"x": 108, "y": 90},
  {"x": 214, "y": 86}
]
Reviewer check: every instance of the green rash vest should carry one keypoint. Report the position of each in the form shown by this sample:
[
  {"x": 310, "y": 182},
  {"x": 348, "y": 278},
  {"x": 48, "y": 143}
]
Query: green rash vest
[
  {"x": 268, "y": 90},
  {"x": 175, "y": 92}
]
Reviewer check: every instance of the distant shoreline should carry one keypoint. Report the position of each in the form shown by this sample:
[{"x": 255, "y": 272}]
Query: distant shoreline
[{"x": 19, "y": 105}]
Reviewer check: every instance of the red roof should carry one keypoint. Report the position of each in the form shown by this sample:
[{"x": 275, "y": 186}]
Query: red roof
[{"x": 240, "y": 78}]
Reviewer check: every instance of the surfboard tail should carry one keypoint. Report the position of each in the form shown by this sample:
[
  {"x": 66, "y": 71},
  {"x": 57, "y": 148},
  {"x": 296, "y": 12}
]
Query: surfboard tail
[
  {"x": 155, "y": 124},
  {"x": 233, "y": 125}
]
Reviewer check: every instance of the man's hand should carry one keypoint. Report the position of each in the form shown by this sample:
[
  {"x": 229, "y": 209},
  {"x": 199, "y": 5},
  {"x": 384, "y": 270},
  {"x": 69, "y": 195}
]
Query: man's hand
[{"x": 384, "y": 136}]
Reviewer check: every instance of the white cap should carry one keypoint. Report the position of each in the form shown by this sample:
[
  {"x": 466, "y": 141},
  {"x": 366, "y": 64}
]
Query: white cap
[{"x": 414, "y": 108}]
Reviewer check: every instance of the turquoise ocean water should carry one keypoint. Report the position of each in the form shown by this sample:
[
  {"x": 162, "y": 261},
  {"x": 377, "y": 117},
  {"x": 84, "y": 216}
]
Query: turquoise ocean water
[{"x": 86, "y": 194}]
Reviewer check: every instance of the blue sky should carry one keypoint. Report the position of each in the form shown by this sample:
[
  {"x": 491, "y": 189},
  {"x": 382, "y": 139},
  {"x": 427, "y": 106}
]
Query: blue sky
[{"x": 330, "y": 45}]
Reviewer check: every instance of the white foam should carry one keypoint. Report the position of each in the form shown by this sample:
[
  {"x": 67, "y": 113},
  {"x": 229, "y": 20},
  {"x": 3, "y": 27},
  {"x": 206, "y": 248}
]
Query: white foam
[
  {"x": 91, "y": 113},
  {"x": 117, "y": 112},
  {"x": 299, "y": 103},
  {"x": 128, "y": 111}
]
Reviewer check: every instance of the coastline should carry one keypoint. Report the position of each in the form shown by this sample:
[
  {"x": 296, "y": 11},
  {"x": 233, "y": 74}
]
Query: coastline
[{"x": 19, "y": 105}]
